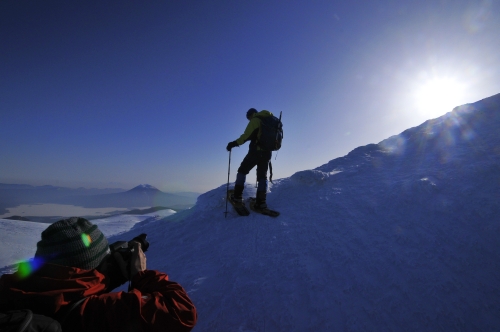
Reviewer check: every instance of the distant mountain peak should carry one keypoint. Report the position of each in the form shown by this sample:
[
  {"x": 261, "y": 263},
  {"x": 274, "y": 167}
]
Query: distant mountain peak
[{"x": 144, "y": 187}]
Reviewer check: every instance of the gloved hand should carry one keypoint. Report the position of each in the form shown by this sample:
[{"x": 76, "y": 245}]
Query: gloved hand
[{"x": 231, "y": 145}]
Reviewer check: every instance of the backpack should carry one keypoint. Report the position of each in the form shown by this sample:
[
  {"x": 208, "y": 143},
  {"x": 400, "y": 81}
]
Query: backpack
[
  {"x": 26, "y": 321},
  {"x": 271, "y": 133}
]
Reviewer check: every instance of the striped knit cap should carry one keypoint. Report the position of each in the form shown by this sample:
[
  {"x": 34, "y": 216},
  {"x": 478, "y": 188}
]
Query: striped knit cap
[{"x": 73, "y": 242}]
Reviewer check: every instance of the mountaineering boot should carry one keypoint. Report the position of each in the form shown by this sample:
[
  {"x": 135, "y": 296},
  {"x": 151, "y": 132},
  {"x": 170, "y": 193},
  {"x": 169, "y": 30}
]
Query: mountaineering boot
[
  {"x": 260, "y": 201},
  {"x": 237, "y": 196}
]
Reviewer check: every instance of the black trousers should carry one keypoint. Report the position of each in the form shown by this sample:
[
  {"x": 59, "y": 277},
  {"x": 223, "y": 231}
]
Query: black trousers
[{"x": 257, "y": 158}]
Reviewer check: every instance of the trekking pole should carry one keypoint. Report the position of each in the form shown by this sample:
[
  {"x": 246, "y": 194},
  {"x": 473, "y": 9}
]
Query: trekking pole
[{"x": 227, "y": 188}]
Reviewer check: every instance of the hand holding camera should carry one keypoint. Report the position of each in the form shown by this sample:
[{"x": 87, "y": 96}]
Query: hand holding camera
[
  {"x": 136, "y": 263},
  {"x": 129, "y": 256}
]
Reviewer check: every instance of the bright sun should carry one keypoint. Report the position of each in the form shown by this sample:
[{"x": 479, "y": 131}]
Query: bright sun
[{"x": 438, "y": 96}]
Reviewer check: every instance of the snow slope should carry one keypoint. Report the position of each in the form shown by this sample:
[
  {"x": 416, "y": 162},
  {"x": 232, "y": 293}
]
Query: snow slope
[{"x": 396, "y": 236}]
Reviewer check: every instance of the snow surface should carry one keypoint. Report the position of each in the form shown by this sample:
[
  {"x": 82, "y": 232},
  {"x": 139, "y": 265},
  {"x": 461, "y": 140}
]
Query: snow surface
[{"x": 397, "y": 236}]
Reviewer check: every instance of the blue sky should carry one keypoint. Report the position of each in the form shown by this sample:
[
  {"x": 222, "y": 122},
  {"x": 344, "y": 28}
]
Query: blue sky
[{"x": 119, "y": 93}]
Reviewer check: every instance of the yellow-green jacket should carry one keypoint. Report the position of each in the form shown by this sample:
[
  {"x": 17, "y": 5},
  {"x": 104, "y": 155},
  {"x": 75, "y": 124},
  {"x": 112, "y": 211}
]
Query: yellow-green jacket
[{"x": 252, "y": 132}]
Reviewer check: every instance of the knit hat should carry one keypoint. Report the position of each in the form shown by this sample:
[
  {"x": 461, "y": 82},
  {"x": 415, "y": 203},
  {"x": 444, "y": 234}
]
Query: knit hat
[
  {"x": 73, "y": 242},
  {"x": 250, "y": 113}
]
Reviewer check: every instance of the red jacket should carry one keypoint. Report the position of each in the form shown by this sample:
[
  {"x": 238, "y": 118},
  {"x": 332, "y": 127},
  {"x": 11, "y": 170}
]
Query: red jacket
[{"x": 154, "y": 303}]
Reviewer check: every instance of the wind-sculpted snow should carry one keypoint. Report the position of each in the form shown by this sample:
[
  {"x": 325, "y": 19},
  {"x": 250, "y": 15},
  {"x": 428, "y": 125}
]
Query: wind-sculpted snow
[
  {"x": 396, "y": 236},
  {"x": 309, "y": 177},
  {"x": 338, "y": 258}
]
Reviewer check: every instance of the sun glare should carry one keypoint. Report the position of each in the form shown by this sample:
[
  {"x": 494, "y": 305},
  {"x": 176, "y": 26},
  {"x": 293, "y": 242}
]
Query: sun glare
[{"x": 438, "y": 96}]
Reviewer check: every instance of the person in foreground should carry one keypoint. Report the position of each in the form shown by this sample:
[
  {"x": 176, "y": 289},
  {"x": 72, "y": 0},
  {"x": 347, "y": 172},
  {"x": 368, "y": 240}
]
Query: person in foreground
[{"x": 76, "y": 270}]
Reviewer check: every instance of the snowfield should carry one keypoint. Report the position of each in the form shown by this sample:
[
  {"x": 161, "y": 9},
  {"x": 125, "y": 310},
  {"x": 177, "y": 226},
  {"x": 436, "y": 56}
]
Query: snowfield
[{"x": 396, "y": 236}]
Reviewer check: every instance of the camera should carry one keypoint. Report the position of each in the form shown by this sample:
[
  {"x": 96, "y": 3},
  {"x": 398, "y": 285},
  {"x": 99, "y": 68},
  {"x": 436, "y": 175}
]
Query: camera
[{"x": 126, "y": 248}]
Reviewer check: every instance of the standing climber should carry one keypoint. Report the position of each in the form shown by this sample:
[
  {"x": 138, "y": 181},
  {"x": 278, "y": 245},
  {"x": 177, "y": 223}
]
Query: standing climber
[{"x": 258, "y": 155}]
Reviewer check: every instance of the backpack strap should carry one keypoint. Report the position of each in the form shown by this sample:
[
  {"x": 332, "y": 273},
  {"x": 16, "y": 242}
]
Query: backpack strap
[
  {"x": 262, "y": 123},
  {"x": 64, "y": 314},
  {"x": 15, "y": 320},
  {"x": 24, "y": 320}
]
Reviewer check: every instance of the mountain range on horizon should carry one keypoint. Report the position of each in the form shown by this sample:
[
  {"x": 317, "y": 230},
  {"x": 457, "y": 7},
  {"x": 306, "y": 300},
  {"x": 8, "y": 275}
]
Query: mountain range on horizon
[
  {"x": 83, "y": 190},
  {"x": 143, "y": 195},
  {"x": 140, "y": 196}
]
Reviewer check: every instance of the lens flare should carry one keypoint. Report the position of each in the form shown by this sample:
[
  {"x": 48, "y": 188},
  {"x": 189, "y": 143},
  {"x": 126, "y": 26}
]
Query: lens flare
[
  {"x": 86, "y": 239},
  {"x": 27, "y": 267}
]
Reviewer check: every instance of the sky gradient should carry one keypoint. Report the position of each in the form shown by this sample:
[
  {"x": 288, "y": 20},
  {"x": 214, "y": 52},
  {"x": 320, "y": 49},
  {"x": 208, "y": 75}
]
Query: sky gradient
[{"x": 119, "y": 93}]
